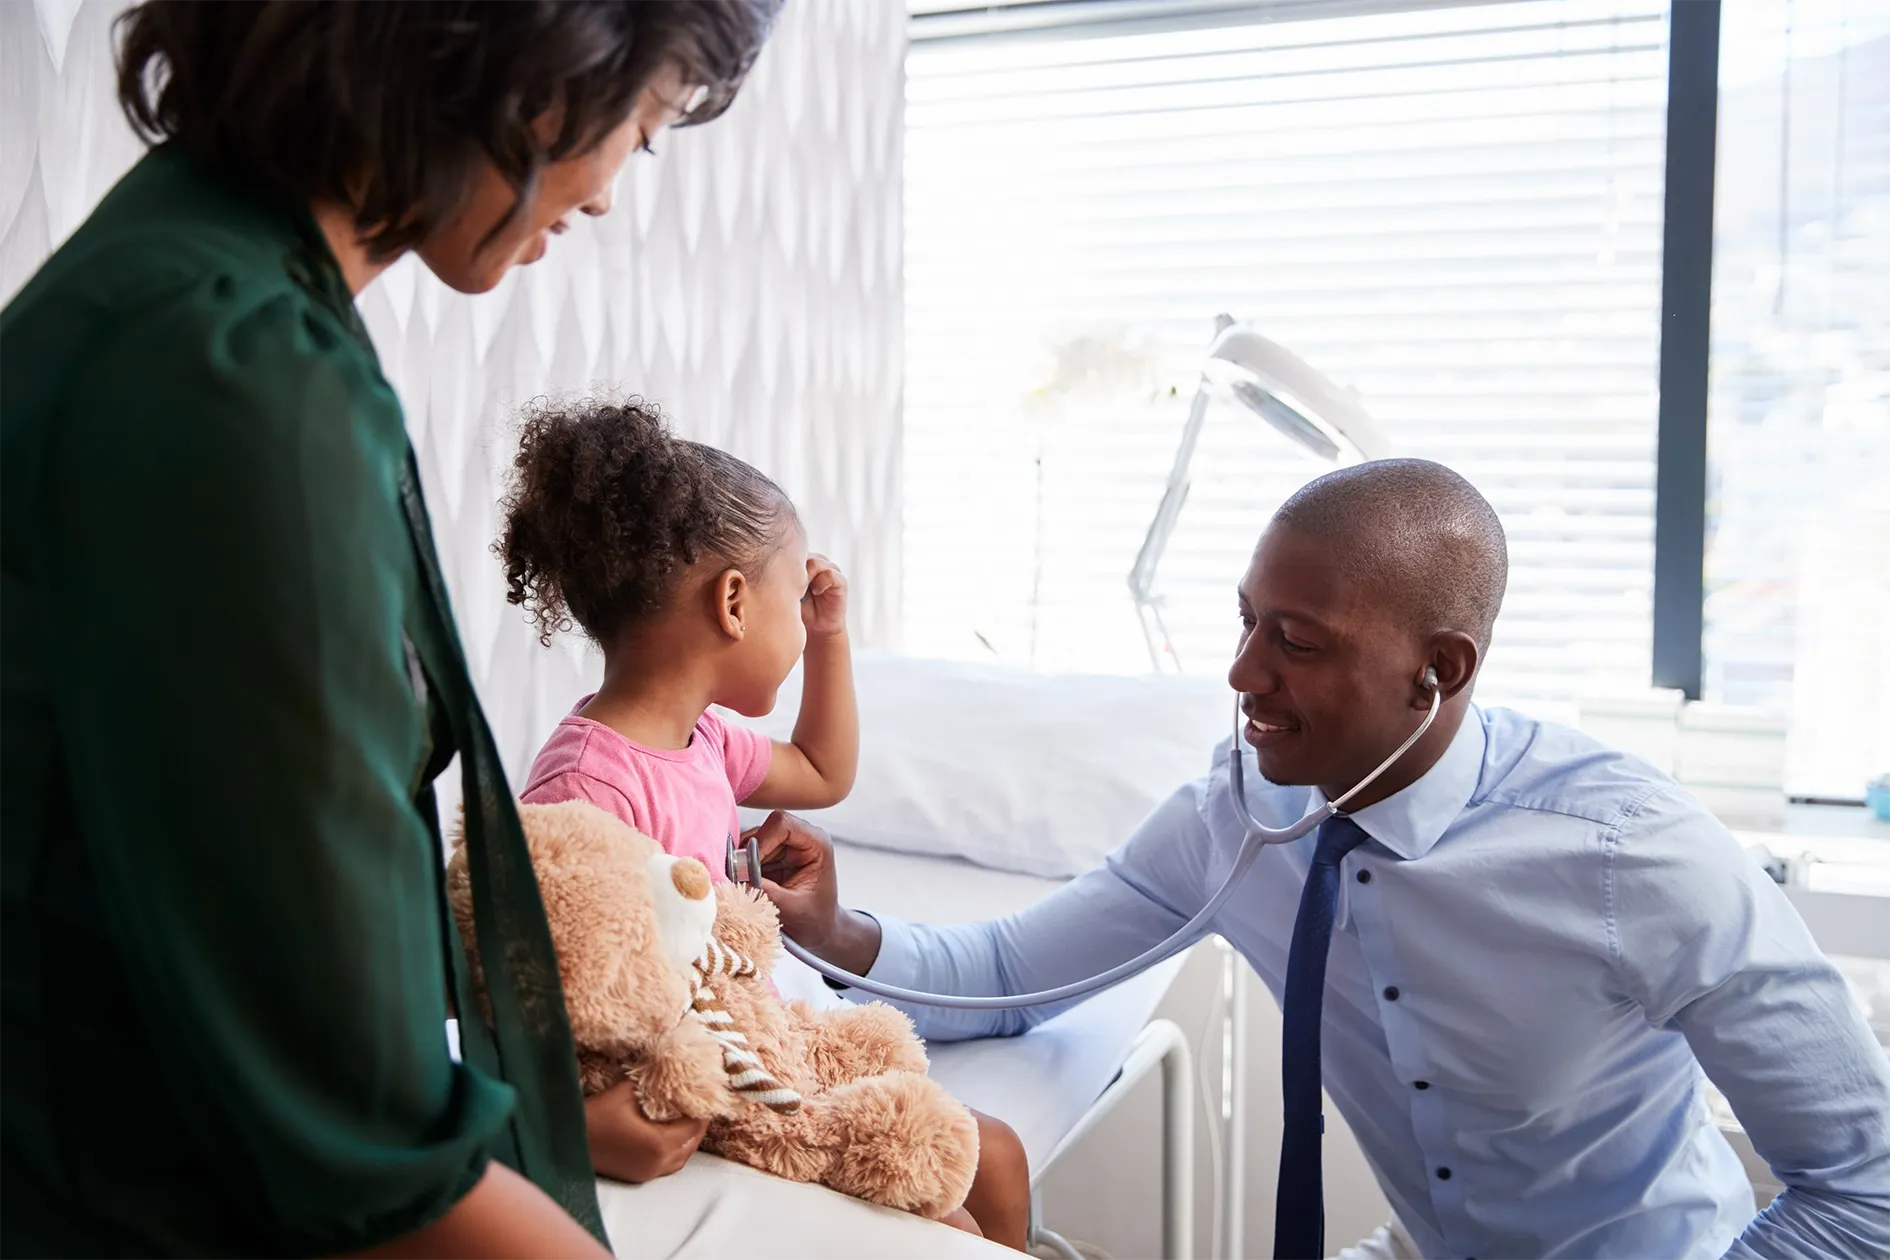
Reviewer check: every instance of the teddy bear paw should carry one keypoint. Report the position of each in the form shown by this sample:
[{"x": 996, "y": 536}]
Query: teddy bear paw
[{"x": 903, "y": 1142}]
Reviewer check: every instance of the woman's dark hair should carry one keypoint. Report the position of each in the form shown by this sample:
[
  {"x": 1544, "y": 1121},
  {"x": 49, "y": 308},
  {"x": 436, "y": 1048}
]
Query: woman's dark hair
[
  {"x": 607, "y": 506},
  {"x": 390, "y": 106}
]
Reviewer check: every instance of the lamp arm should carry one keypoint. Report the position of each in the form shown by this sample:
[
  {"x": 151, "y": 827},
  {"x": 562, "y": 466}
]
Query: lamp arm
[{"x": 1155, "y": 542}]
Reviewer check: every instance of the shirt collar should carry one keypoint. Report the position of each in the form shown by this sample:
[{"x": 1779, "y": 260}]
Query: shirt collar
[{"x": 1410, "y": 822}]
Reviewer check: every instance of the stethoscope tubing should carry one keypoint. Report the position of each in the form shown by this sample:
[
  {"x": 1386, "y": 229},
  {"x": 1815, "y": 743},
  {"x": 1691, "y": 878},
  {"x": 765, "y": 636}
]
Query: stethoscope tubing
[{"x": 1258, "y": 837}]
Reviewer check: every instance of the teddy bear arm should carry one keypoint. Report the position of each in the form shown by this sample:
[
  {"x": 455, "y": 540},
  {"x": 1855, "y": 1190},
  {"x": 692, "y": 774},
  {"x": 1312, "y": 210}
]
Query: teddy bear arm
[
  {"x": 850, "y": 1042},
  {"x": 903, "y": 1142},
  {"x": 801, "y": 1146}
]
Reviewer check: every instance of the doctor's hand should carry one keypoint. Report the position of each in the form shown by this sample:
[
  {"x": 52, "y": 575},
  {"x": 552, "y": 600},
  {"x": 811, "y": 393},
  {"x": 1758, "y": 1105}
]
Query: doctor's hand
[
  {"x": 797, "y": 872},
  {"x": 629, "y": 1146}
]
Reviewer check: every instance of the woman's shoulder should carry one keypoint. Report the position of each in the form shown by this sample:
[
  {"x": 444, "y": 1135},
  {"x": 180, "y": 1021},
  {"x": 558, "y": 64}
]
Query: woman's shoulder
[
  {"x": 181, "y": 303},
  {"x": 182, "y": 360},
  {"x": 176, "y": 287},
  {"x": 205, "y": 384}
]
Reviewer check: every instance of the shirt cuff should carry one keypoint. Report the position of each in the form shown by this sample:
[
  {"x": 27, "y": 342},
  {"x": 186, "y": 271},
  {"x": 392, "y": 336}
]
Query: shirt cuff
[{"x": 899, "y": 962}]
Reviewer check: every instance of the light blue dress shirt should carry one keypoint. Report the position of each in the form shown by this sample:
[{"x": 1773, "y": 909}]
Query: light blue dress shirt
[{"x": 1543, "y": 953}]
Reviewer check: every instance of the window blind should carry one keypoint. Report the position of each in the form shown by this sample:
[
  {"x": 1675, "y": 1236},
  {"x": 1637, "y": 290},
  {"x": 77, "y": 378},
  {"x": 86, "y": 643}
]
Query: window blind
[{"x": 1455, "y": 211}]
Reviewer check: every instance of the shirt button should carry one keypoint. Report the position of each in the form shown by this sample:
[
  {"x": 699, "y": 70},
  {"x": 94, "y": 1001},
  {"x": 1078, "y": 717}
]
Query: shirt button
[
  {"x": 1364, "y": 877},
  {"x": 1421, "y": 1084},
  {"x": 1391, "y": 993},
  {"x": 1443, "y": 1174}
]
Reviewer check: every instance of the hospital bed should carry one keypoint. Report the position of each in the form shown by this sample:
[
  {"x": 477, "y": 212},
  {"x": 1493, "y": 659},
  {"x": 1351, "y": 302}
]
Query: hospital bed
[
  {"x": 1051, "y": 1085},
  {"x": 981, "y": 789}
]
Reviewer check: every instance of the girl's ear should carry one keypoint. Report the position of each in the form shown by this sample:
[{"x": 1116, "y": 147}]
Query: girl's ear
[{"x": 731, "y": 602}]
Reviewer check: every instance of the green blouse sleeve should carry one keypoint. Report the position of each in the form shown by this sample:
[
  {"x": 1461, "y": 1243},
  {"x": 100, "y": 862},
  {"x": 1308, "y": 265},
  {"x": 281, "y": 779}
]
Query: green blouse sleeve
[{"x": 230, "y": 578}]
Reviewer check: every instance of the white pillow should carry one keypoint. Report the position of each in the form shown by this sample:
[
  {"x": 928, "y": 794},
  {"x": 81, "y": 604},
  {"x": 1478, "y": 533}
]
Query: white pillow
[{"x": 1037, "y": 773}]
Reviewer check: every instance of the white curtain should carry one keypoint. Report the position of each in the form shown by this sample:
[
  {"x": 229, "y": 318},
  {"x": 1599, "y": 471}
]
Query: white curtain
[{"x": 749, "y": 281}]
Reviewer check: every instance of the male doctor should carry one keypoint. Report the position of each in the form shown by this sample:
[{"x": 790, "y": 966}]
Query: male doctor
[{"x": 1514, "y": 962}]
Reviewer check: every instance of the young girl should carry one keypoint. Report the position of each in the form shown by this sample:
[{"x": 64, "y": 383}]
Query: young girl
[{"x": 690, "y": 569}]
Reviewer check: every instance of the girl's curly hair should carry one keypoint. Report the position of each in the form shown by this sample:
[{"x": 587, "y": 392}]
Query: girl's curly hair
[{"x": 607, "y": 507}]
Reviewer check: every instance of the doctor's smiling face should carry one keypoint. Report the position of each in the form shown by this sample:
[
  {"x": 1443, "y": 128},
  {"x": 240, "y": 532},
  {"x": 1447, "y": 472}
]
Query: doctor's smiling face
[
  {"x": 1325, "y": 674},
  {"x": 1364, "y": 579}
]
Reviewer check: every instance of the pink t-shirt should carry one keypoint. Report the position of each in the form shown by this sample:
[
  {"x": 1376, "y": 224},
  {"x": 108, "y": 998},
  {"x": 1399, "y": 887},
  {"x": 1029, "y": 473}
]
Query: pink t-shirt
[{"x": 684, "y": 799}]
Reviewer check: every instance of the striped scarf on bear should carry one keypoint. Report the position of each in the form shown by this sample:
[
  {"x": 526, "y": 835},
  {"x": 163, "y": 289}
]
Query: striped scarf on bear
[{"x": 746, "y": 1075}]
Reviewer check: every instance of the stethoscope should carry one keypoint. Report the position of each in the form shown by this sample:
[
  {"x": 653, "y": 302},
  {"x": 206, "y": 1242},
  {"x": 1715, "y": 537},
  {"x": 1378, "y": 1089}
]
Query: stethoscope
[{"x": 1259, "y": 836}]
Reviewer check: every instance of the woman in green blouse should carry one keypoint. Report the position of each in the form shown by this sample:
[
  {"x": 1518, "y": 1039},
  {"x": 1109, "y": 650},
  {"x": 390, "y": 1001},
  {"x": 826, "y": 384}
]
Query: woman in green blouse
[{"x": 230, "y": 672}]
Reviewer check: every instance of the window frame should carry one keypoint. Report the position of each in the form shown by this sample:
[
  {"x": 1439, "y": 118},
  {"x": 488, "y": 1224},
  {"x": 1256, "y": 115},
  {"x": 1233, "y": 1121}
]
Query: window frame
[{"x": 1677, "y": 658}]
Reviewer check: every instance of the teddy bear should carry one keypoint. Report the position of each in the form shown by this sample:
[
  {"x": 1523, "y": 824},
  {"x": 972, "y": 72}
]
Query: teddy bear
[{"x": 666, "y": 980}]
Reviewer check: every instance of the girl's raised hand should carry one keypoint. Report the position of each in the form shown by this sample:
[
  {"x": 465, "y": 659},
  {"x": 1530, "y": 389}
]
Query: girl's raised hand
[{"x": 824, "y": 607}]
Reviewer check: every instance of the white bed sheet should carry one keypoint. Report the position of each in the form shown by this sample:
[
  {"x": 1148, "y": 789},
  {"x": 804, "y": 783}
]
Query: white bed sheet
[
  {"x": 717, "y": 1210},
  {"x": 1042, "y": 1083}
]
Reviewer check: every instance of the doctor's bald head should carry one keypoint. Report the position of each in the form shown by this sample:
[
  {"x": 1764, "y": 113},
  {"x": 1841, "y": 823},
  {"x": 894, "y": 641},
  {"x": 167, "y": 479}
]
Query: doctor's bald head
[{"x": 1414, "y": 535}]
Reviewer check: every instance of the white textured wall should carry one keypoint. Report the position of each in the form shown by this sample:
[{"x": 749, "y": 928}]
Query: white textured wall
[{"x": 749, "y": 280}]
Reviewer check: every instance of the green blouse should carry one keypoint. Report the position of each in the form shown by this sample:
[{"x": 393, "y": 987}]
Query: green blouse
[{"x": 230, "y": 676}]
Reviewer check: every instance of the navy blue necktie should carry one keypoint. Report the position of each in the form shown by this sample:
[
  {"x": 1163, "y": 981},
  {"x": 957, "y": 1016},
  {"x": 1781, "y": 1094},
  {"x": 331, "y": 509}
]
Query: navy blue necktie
[{"x": 1299, "y": 1208}]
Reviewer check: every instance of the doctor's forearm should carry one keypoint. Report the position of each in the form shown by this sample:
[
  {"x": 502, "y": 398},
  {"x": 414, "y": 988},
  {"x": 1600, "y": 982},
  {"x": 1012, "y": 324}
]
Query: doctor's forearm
[{"x": 1810, "y": 1225}]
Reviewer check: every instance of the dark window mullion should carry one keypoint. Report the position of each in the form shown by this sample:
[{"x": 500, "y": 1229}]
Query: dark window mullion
[{"x": 1686, "y": 291}]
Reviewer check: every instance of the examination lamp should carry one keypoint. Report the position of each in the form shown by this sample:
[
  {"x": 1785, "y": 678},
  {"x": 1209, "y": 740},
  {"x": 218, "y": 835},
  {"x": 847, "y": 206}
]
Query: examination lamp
[{"x": 1282, "y": 389}]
